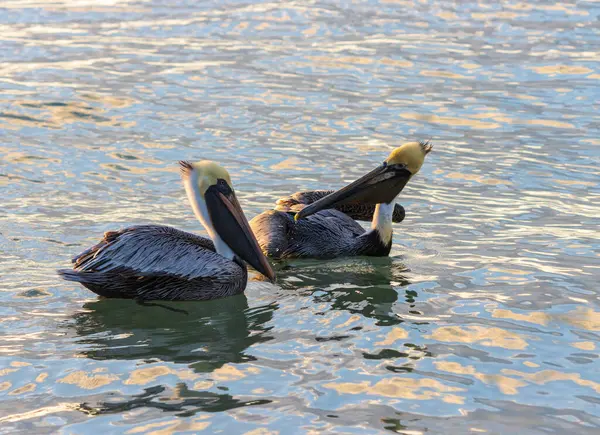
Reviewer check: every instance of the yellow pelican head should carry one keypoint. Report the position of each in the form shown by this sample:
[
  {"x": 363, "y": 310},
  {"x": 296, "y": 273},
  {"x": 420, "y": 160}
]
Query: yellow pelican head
[
  {"x": 209, "y": 190},
  {"x": 411, "y": 155}
]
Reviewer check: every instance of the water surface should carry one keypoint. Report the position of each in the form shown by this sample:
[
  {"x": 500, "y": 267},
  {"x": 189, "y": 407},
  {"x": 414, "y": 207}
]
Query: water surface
[{"x": 485, "y": 318}]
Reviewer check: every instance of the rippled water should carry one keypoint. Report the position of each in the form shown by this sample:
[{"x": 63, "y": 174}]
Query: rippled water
[{"x": 484, "y": 319}]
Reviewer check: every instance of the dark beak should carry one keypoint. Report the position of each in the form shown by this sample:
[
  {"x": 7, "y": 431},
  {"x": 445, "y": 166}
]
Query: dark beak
[
  {"x": 381, "y": 185},
  {"x": 232, "y": 226}
]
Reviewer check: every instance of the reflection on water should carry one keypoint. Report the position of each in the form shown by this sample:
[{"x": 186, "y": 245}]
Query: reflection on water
[
  {"x": 205, "y": 336},
  {"x": 484, "y": 319},
  {"x": 366, "y": 286}
]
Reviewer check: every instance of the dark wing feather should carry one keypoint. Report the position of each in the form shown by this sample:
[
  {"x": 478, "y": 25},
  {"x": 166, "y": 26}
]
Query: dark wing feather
[
  {"x": 326, "y": 234},
  {"x": 153, "y": 250},
  {"x": 360, "y": 212}
]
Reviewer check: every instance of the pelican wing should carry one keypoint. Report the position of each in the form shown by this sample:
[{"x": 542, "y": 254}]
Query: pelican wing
[
  {"x": 154, "y": 250},
  {"x": 297, "y": 201},
  {"x": 360, "y": 212}
]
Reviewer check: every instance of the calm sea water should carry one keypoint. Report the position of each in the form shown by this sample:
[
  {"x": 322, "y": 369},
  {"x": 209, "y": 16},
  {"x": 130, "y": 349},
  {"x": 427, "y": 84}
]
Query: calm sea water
[{"x": 485, "y": 318}]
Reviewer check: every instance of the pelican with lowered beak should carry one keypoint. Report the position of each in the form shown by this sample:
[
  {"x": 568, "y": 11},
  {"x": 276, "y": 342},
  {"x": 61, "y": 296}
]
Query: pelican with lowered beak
[
  {"x": 155, "y": 262},
  {"x": 323, "y": 230}
]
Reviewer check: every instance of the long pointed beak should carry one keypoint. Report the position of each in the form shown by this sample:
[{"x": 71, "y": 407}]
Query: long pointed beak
[
  {"x": 232, "y": 226},
  {"x": 381, "y": 185}
]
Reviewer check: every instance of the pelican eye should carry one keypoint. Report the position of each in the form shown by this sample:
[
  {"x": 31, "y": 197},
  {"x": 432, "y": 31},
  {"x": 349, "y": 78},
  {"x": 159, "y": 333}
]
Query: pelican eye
[{"x": 223, "y": 186}]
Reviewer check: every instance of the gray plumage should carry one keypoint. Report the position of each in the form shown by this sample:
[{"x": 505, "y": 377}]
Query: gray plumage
[
  {"x": 326, "y": 234},
  {"x": 360, "y": 212},
  {"x": 155, "y": 262}
]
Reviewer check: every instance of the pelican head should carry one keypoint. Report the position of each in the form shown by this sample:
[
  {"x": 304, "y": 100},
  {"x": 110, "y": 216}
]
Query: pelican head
[
  {"x": 208, "y": 187},
  {"x": 381, "y": 185},
  {"x": 411, "y": 155}
]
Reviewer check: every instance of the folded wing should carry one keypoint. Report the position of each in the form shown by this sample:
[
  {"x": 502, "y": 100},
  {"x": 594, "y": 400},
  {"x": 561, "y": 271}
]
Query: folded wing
[{"x": 153, "y": 250}]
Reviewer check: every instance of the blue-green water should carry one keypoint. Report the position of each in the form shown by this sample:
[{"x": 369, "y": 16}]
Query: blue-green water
[{"x": 485, "y": 319}]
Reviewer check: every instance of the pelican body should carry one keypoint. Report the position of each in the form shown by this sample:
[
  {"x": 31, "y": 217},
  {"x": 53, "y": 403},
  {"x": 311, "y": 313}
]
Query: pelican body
[
  {"x": 326, "y": 227},
  {"x": 156, "y": 262}
]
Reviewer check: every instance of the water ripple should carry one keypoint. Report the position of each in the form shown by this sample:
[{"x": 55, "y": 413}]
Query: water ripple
[{"x": 484, "y": 319}]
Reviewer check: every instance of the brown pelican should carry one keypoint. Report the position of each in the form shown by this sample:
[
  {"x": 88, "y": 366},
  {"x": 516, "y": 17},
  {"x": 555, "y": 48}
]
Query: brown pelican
[
  {"x": 155, "y": 262},
  {"x": 320, "y": 231}
]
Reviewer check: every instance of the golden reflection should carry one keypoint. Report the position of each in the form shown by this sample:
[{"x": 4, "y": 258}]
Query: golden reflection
[
  {"x": 336, "y": 61},
  {"x": 203, "y": 385},
  {"x": 494, "y": 116},
  {"x": 4, "y": 372},
  {"x": 584, "y": 345},
  {"x": 41, "y": 377},
  {"x": 395, "y": 334},
  {"x": 20, "y": 364},
  {"x": 87, "y": 381},
  {"x": 478, "y": 178},
  {"x": 545, "y": 376},
  {"x": 562, "y": 69},
  {"x": 495, "y": 15},
  {"x": 24, "y": 389},
  {"x": 584, "y": 318},
  {"x": 399, "y": 387},
  {"x": 510, "y": 381},
  {"x": 57, "y": 114},
  {"x": 146, "y": 375},
  {"x": 270, "y": 97},
  {"x": 550, "y": 123},
  {"x": 156, "y": 145},
  {"x": 290, "y": 163},
  {"x": 395, "y": 62},
  {"x": 454, "y": 399},
  {"x": 127, "y": 154},
  {"x": 454, "y": 367},
  {"x": 505, "y": 384},
  {"x": 228, "y": 373},
  {"x": 262, "y": 431},
  {"x": 352, "y": 319},
  {"x": 40, "y": 412},
  {"x": 576, "y": 182},
  {"x": 133, "y": 169},
  {"x": 5, "y": 386},
  {"x": 452, "y": 121},
  {"x": 538, "y": 318},
  {"x": 442, "y": 74},
  {"x": 481, "y": 294},
  {"x": 447, "y": 15},
  {"x": 173, "y": 426},
  {"x": 182, "y": 68},
  {"x": 520, "y": 6},
  {"x": 491, "y": 337},
  {"x": 110, "y": 100}
]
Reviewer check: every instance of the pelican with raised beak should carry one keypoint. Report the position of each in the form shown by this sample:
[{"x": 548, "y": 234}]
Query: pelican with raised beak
[
  {"x": 155, "y": 262},
  {"x": 323, "y": 230}
]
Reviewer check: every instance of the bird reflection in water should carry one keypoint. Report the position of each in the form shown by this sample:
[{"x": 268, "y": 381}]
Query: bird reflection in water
[
  {"x": 185, "y": 403},
  {"x": 365, "y": 286},
  {"x": 211, "y": 334}
]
